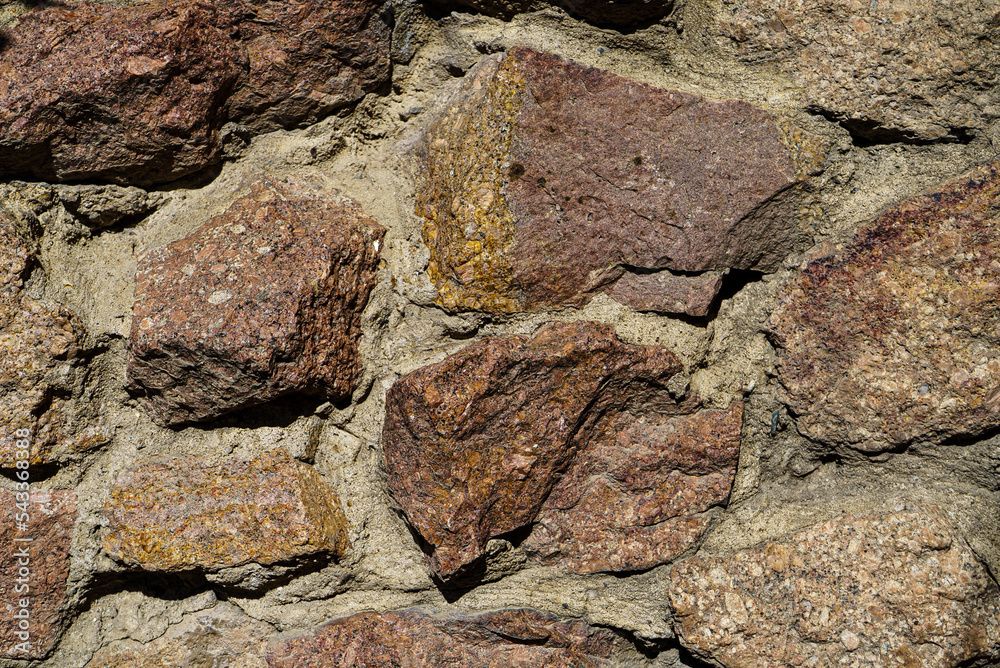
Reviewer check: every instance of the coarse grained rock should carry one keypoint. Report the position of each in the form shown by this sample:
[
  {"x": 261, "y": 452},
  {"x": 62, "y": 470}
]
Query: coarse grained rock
[
  {"x": 178, "y": 514},
  {"x": 42, "y": 547},
  {"x": 901, "y": 70},
  {"x": 601, "y": 12},
  {"x": 307, "y": 58},
  {"x": 637, "y": 494},
  {"x": 894, "y": 340},
  {"x": 888, "y": 589},
  {"x": 499, "y": 639},
  {"x": 137, "y": 94},
  {"x": 543, "y": 181},
  {"x": 41, "y": 349},
  {"x": 262, "y": 301},
  {"x": 474, "y": 444}
]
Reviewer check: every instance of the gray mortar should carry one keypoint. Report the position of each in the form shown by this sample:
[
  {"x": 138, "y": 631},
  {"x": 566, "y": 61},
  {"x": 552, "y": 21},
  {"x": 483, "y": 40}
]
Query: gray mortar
[{"x": 783, "y": 483}]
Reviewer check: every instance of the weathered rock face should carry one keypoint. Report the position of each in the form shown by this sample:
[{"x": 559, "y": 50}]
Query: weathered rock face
[
  {"x": 475, "y": 445},
  {"x": 214, "y": 638},
  {"x": 40, "y": 347},
  {"x": 545, "y": 181},
  {"x": 889, "y": 71},
  {"x": 262, "y": 301},
  {"x": 895, "y": 340},
  {"x": 601, "y": 12},
  {"x": 138, "y": 94},
  {"x": 490, "y": 640},
  {"x": 898, "y": 589},
  {"x": 636, "y": 496},
  {"x": 34, "y": 565},
  {"x": 183, "y": 514}
]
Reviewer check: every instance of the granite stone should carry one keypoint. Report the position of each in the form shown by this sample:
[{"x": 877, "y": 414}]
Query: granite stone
[
  {"x": 263, "y": 301},
  {"x": 175, "y": 514},
  {"x": 543, "y": 182}
]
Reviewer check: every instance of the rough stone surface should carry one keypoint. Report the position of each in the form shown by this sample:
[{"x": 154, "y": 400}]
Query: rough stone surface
[
  {"x": 601, "y": 12},
  {"x": 262, "y": 301},
  {"x": 490, "y": 640},
  {"x": 636, "y": 496},
  {"x": 890, "y": 71},
  {"x": 138, "y": 94},
  {"x": 183, "y": 514},
  {"x": 51, "y": 517},
  {"x": 894, "y": 340},
  {"x": 896, "y": 589},
  {"x": 41, "y": 344},
  {"x": 544, "y": 181},
  {"x": 475, "y": 444},
  {"x": 103, "y": 206},
  {"x": 213, "y": 638},
  {"x": 666, "y": 292}
]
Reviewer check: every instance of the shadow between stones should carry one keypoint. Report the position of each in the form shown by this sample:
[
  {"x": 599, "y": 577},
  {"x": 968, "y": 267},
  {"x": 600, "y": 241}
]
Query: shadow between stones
[
  {"x": 164, "y": 586},
  {"x": 281, "y": 412},
  {"x": 866, "y": 132}
]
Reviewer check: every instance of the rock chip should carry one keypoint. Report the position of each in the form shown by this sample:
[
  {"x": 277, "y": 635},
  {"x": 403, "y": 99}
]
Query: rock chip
[
  {"x": 34, "y": 565},
  {"x": 636, "y": 496},
  {"x": 262, "y": 301},
  {"x": 895, "y": 340},
  {"x": 41, "y": 346},
  {"x": 882, "y": 590},
  {"x": 543, "y": 182},
  {"x": 410, "y": 637},
  {"x": 474, "y": 446},
  {"x": 182, "y": 514},
  {"x": 909, "y": 70},
  {"x": 137, "y": 94},
  {"x": 601, "y": 12}
]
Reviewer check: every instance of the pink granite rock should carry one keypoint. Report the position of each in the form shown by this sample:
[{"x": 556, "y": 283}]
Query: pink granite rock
[
  {"x": 137, "y": 94},
  {"x": 34, "y": 567},
  {"x": 262, "y": 301},
  {"x": 899, "y": 589},
  {"x": 637, "y": 494},
  {"x": 543, "y": 182},
  {"x": 894, "y": 340},
  {"x": 571, "y": 429},
  {"x": 906, "y": 70}
]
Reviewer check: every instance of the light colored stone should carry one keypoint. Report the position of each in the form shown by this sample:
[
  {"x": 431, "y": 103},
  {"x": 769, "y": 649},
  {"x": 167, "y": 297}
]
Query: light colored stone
[{"x": 899, "y": 589}]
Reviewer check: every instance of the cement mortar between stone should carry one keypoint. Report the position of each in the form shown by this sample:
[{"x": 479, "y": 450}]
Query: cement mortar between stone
[{"x": 93, "y": 277}]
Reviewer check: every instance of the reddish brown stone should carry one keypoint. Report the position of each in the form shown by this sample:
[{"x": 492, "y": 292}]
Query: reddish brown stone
[
  {"x": 307, "y": 58},
  {"x": 544, "y": 182},
  {"x": 262, "y": 301},
  {"x": 666, "y": 292},
  {"x": 906, "y": 70},
  {"x": 636, "y": 496},
  {"x": 474, "y": 444},
  {"x": 41, "y": 346},
  {"x": 895, "y": 590},
  {"x": 412, "y": 638},
  {"x": 41, "y": 547},
  {"x": 179, "y": 514},
  {"x": 138, "y": 93},
  {"x": 895, "y": 339}
]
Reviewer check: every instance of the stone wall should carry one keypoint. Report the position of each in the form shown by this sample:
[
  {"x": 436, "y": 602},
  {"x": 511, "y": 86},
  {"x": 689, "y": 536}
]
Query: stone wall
[{"x": 499, "y": 333}]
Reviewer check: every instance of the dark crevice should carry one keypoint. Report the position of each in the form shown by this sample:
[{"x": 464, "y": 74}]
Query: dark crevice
[
  {"x": 281, "y": 412},
  {"x": 734, "y": 281},
  {"x": 866, "y": 132}
]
